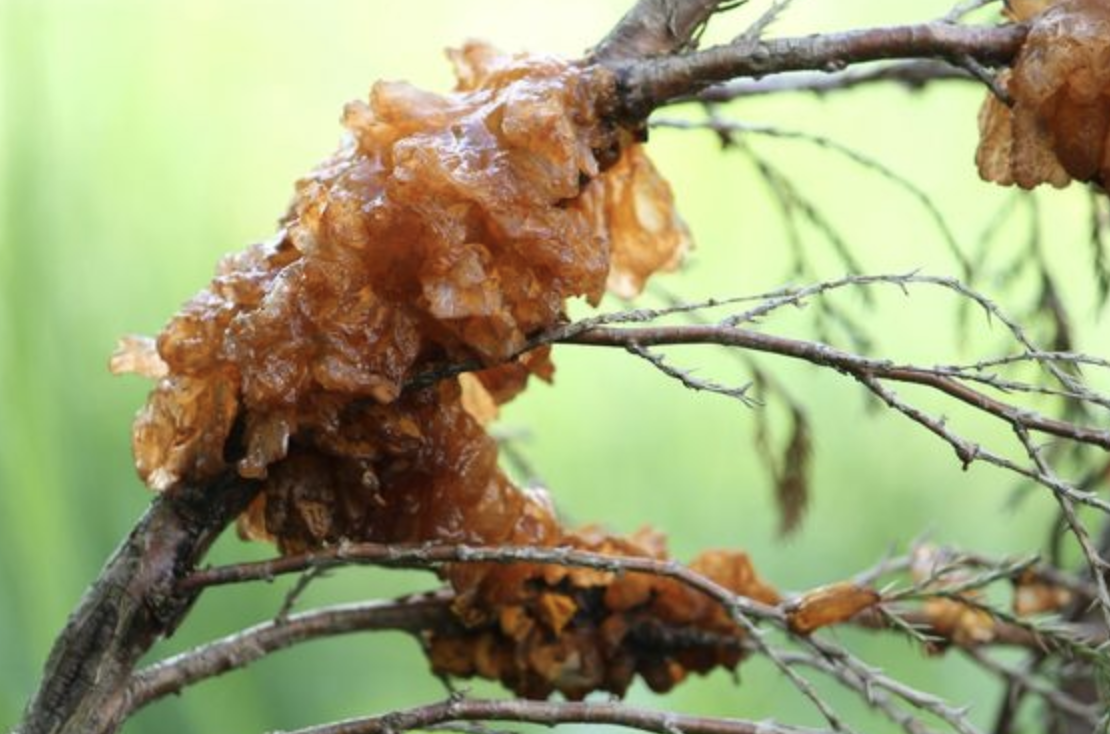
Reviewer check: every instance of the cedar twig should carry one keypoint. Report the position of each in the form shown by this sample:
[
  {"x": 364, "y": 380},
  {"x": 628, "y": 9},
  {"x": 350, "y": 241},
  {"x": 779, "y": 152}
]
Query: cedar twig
[
  {"x": 863, "y": 368},
  {"x": 430, "y": 556},
  {"x": 911, "y": 75},
  {"x": 246, "y": 646},
  {"x": 426, "y": 613},
  {"x": 550, "y": 713},
  {"x": 867, "y": 162},
  {"x": 647, "y": 84},
  {"x": 1053, "y": 697},
  {"x": 740, "y": 609}
]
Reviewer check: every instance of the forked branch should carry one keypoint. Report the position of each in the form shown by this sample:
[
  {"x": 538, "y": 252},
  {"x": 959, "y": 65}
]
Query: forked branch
[{"x": 550, "y": 713}]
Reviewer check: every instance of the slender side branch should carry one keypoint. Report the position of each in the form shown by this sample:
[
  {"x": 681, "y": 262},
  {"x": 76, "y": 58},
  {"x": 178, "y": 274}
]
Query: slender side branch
[
  {"x": 429, "y": 556},
  {"x": 550, "y": 713},
  {"x": 740, "y": 609},
  {"x": 826, "y": 356},
  {"x": 913, "y": 75},
  {"x": 1057, "y": 699},
  {"x": 652, "y": 83},
  {"x": 244, "y": 647}
]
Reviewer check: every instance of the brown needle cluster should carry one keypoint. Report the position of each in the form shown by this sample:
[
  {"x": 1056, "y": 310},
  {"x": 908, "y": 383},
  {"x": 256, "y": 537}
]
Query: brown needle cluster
[
  {"x": 1058, "y": 125},
  {"x": 447, "y": 228}
]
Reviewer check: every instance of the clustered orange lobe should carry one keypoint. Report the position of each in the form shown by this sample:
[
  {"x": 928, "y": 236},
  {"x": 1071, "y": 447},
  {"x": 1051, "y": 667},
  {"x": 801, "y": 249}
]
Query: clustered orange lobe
[
  {"x": 1058, "y": 126},
  {"x": 829, "y": 605},
  {"x": 446, "y": 229}
]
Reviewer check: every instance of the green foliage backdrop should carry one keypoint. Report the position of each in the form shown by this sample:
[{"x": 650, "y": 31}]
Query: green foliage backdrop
[{"x": 141, "y": 139}]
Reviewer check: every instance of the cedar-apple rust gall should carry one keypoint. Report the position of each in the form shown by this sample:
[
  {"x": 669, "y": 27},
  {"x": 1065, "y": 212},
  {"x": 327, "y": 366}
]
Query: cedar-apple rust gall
[
  {"x": 1058, "y": 125},
  {"x": 447, "y": 228}
]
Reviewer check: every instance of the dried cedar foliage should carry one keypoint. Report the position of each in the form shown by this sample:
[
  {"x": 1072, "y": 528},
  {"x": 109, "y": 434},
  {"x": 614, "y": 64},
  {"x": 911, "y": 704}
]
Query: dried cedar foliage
[
  {"x": 446, "y": 228},
  {"x": 1058, "y": 126}
]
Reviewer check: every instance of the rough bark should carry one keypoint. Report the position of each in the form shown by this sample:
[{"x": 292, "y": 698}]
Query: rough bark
[
  {"x": 132, "y": 604},
  {"x": 655, "y": 28}
]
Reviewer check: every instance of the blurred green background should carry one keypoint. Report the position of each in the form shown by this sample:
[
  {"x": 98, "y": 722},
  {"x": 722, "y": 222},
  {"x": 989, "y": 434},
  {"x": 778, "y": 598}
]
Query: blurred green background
[{"x": 141, "y": 139}]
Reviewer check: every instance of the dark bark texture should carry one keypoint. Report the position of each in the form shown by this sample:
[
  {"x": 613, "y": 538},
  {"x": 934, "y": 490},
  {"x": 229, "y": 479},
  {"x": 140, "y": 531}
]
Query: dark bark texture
[{"x": 132, "y": 604}]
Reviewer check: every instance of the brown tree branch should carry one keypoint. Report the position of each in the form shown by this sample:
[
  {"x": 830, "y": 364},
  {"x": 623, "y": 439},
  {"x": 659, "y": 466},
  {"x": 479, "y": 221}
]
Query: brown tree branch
[
  {"x": 423, "y": 614},
  {"x": 656, "y": 28},
  {"x": 432, "y": 556},
  {"x": 428, "y": 613},
  {"x": 134, "y": 602},
  {"x": 432, "y": 613},
  {"x": 912, "y": 75},
  {"x": 648, "y": 84},
  {"x": 550, "y": 713},
  {"x": 246, "y": 646},
  {"x": 827, "y": 356},
  {"x": 416, "y": 615}
]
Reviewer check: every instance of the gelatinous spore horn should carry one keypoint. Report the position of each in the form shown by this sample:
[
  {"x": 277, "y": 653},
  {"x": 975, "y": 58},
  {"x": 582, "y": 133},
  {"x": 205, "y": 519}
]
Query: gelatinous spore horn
[
  {"x": 1058, "y": 125},
  {"x": 447, "y": 228}
]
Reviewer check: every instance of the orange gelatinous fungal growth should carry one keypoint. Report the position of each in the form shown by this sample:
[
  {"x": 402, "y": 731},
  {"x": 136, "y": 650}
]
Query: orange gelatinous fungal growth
[
  {"x": 1059, "y": 124},
  {"x": 963, "y": 623},
  {"x": 828, "y": 605},
  {"x": 601, "y": 629},
  {"x": 1023, "y": 10},
  {"x": 1034, "y": 595},
  {"x": 447, "y": 229}
]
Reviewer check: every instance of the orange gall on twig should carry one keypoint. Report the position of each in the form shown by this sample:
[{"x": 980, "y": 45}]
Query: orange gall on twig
[
  {"x": 1034, "y": 595},
  {"x": 829, "y": 605},
  {"x": 1059, "y": 124},
  {"x": 581, "y": 630},
  {"x": 447, "y": 228}
]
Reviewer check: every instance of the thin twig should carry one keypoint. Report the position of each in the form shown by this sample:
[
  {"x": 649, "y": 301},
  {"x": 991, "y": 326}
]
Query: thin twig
[
  {"x": 1097, "y": 564},
  {"x": 295, "y": 593},
  {"x": 550, "y": 713},
  {"x": 689, "y": 380},
  {"x": 912, "y": 75},
  {"x": 863, "y": 160},
  {"x": 1054, "y": 697},
  {"x": 853, "y": 364},
  {"x": 873, "y": 696},
  {"x": 246, "y": 646},
  {"x": 430, "y": 556}
]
